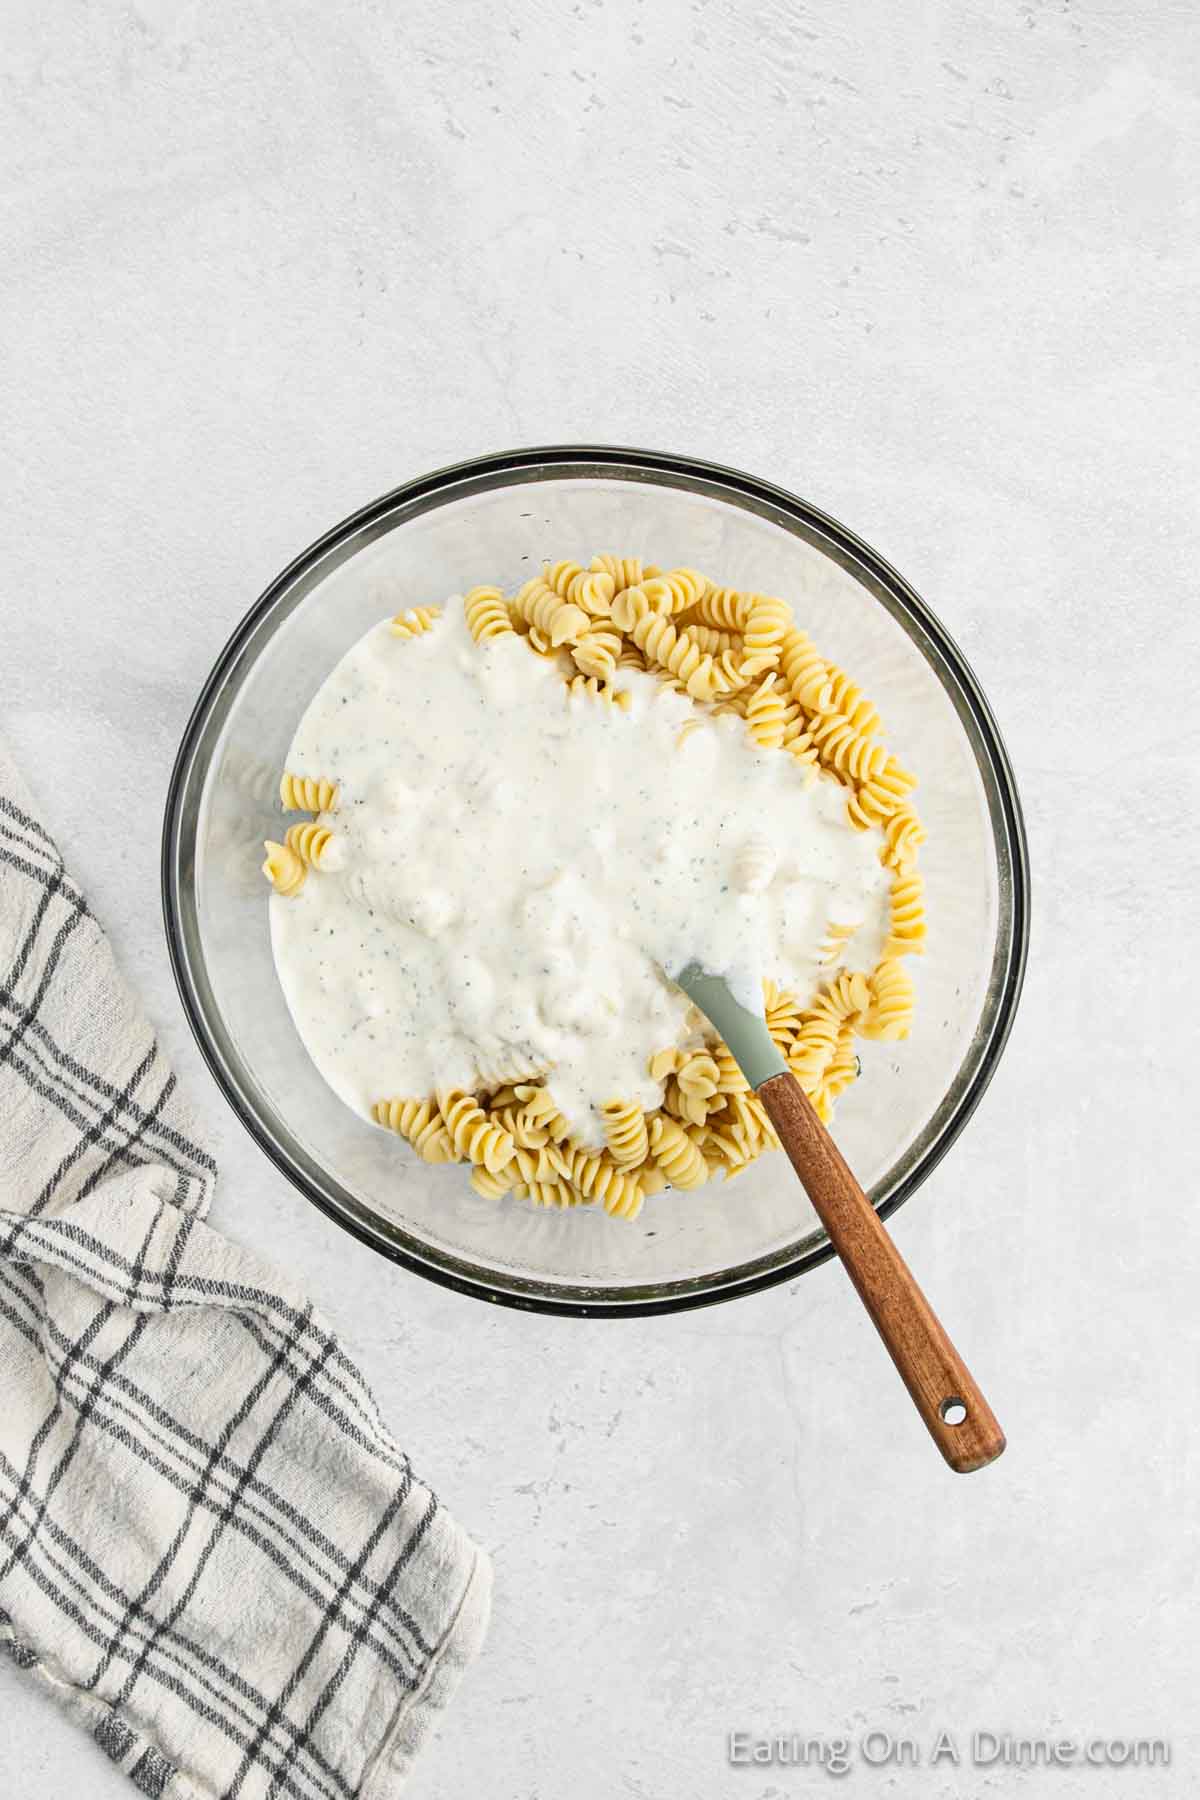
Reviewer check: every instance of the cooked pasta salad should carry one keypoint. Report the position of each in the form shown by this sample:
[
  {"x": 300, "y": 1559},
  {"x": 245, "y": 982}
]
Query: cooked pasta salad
[{"x": 521, "y": 809}]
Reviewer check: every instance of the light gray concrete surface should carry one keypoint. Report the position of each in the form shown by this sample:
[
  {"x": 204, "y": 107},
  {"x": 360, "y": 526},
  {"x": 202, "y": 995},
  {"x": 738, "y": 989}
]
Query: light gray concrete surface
[{"x": 934, "y": 267}]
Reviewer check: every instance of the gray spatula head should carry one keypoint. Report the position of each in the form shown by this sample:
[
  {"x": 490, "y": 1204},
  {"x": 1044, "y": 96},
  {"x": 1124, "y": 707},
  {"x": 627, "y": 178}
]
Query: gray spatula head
[{"x": 745, "y": 1032}]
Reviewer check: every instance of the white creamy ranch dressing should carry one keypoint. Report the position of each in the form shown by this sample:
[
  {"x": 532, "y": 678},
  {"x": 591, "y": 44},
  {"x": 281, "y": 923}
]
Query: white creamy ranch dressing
[{"x": 512, "y": 869}]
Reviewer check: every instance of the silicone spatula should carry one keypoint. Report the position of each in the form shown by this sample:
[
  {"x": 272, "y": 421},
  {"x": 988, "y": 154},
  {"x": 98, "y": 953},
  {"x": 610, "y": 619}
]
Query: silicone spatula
[{"x": 945, "y": 1393}]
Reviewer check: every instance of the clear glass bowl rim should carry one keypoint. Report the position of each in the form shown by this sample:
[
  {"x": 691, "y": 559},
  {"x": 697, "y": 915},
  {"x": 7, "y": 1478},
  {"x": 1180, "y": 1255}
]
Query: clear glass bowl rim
[{"x": 460, "y": 480}]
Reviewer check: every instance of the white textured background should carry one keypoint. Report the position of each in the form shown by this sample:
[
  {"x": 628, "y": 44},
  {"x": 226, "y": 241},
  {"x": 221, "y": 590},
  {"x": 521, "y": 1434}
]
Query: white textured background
[{"x": 934, "y": 267}]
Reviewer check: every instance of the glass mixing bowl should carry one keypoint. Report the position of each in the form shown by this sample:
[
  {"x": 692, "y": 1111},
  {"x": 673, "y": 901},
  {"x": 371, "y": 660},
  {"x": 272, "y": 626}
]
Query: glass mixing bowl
[{"x": 495, "y": 519}]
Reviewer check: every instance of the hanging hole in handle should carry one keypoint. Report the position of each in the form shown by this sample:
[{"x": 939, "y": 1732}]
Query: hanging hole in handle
[{"x": 953, "y": 1410}]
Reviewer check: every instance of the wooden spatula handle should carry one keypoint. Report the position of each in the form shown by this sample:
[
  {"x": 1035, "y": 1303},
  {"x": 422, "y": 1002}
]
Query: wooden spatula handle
[{"x": 933, "y": 1371}]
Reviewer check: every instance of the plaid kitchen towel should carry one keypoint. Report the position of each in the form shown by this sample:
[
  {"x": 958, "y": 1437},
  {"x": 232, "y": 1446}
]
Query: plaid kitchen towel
[{"x": 211, "y": 1549}]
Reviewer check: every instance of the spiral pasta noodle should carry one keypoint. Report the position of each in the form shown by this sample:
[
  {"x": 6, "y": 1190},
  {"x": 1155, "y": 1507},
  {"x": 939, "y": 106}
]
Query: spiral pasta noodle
[
  {"x": 558, "y": 620},
  {"x": 755, "y": 865},
  {"x": 800, "y": 747},
  {"x": 766, "y": 625},
  {"x": 590, "y": 589},
  {"x": 630, "y": 605},
  {"x": 415, "y": 622},
  {"x": 589, "y": 687},
  {"x": 881, "y": 796},
  {"x": 545, "y": 1164},
  {"x": 626, "y": 571},
  {"x": 848, "y": 700},
  {"x": 420, "y": 1122},
  {"x": 891, "y": 1009},
  {"x": 310, "y": 842},
  {"x": 539, "y": 1109},
  {"x": 596, "y": 652},
  {"x": 492, "y": 1186},
  {"x": 659, "y": 642},
  {"x": 474, "y": 1137},
  {"x": 726, "y": 608},
  {"x": 783, "y": 1015},
  {"x": 711, "y": 641},
  {"x": 625, "y": 1133},
  {"x": 730, "y": 1079},
  {"x": 842, "y": 748},
  {"x": 843, "y": 1066},
  {"x": 551, "y": 1193},
  {"x": 739, "y": 1134},
  {"x": 698, "y": 1079},
  {"x": 903, "y": 834},
  {"x": 597, "y": 1177},
  {"x": 284, "y": 868},
  {"x": 843, "y": 1002},
  {"x": 833, "y": 944},
  {"x": 806, "y": 674},
  {"x": 906, "y": 928},
  {"x": 488, "y": 616},
  {"x": 675, "y": 1154},
  {"x": 675, "y": 591},
  {"x": 769, "y": 714},
  {"x": 307, "y": 793}
]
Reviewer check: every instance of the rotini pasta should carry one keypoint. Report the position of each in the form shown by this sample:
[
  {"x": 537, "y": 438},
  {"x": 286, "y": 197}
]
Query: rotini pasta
[
  {"x": 626, "y": 571},
  {"x": 769, "y": 715},
  {"x": 730, "y": 651},
  {"x": 698, "y": 1079},
  {"x": 725, "y": 608},
  {"x": 766, "y": 625},
  {"x": 688, "y": 730},
  {"x": 625, "y": 1132},
  {"x": 489, "y": 1185},
  {"x": 589, "y": 687},
  {"x": 552, "y": 1193},
  {"x": 474, "y": 1137},
  {"x": 848, "y": 700},
  {"x": 800, "y": 746},
  {"x": 756, "y": 863},
  {"x": 730, "y": 1079},
  {"x": 558, "y": 620},
  {"x": 675, "y": 591},
  {"x": 597, "y": 651},
  {"x": 310, "y": 842},
  {"x": 284, "y": 868},
  {"x": 415, "y": 621},
  {"x": 540, "y": 1109},
  {"x": 487, "y": 615},
  {"x": 833, "y": 944},
  {"x": 890, "y": 1012},
  {"x": 659, "y": 642},
  {"x": 675, "y": 1154},
  {"x": 807, "y": 676},
  {"x": 783, "y": 1015},
  {"x": 844, "y": 1001},
  {"x": 306, "y": 793},
  {"x": 906, "y": 931},
  {"x": 590, "y": 589},
  {"x": 420, "y": 1122},
  {"x": 710, "y": 641},
  {"x": 903, "y": 834},
  {"x": 597, "y": 1177},
  {"x": 881, "y": 795},
  {"x": 630, "y": 605},
  {"x": 842, "y": 748},
  {"x": 843, "y": 1066}
]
